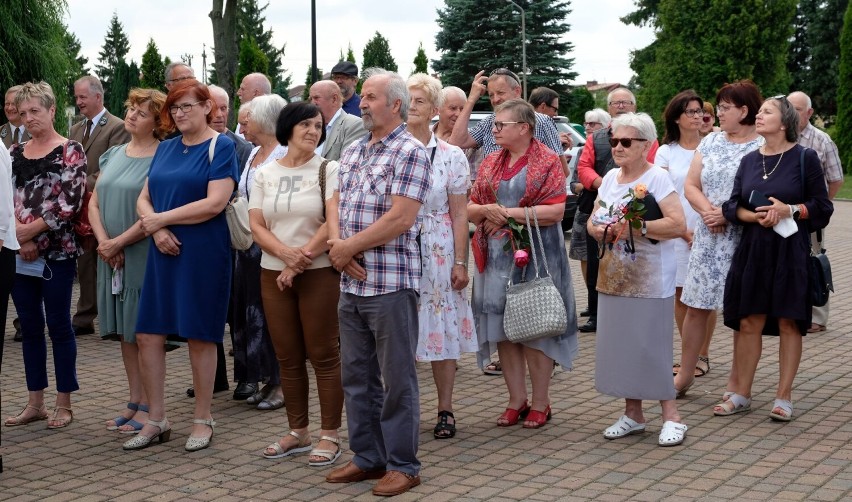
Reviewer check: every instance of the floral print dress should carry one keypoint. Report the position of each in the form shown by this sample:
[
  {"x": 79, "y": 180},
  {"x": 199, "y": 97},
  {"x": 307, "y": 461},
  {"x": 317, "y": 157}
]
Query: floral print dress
[
  {"x": 446, "y": 319},
  {"x": 712, "y": 253},
  {"x": 52, "y": 188}
]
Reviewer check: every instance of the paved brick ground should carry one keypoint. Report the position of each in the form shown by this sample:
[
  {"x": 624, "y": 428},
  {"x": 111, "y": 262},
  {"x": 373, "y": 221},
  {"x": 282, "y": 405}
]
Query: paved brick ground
[{"x": 745, "y": 456}]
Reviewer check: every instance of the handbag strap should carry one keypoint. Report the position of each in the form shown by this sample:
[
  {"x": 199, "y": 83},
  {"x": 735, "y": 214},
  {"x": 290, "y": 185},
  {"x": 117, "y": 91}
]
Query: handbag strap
[
  {"x": 321, "y": 180},
  {"x": 532, "y": 240},
  {"x": 807, "y": 224}
]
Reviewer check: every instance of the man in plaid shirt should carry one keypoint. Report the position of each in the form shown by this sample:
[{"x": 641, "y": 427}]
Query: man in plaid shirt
[{"x": 373, "y": 227}]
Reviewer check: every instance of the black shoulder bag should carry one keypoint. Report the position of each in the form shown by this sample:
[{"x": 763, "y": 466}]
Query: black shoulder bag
[{"x": 819, "y": 268}]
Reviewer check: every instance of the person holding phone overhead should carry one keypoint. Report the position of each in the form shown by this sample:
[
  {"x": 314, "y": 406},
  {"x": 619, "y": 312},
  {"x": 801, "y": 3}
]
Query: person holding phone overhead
[{"x": 766, "y": 291}]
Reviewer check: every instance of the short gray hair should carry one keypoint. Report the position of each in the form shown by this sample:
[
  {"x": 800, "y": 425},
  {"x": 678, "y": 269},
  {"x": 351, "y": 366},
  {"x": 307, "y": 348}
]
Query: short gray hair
[
  {"x": 446, "y": 92},
  {"x": 245, "y": 108},
  {"x": 428, "y": 84},
  {"x": 789, "y": 118},
  {"x": 265, "y": 111},
  {"x": 598, "y": 115},
  {"x": 642, "y": 122},
  {"x": 170, "y": 68},
  {"x": 218, "y": 90},
  {"x": 94, "y": 83},
  {"x": 40, "y": 91},
  {"x": 397, "y": 90},
  {"x": 521, "y": 111},
  {"x": 621, "y": 89},
  {"x": 260, "y": 81}
]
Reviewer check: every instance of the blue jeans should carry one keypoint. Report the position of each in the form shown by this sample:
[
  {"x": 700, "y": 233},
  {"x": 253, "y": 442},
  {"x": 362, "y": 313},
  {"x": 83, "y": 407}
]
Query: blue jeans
[
  {"x": 378, "y": 341},
  {"x": 40, "y": 300}
]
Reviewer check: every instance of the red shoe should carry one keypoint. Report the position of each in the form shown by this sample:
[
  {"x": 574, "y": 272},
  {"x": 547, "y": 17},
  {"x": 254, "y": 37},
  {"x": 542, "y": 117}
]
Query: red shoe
[
  {"x": 511, "y": 416},
  {"x": 539, "y": 417}
]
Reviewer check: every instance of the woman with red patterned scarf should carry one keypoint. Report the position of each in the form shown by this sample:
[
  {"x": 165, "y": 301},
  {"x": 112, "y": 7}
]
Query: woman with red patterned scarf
[{"x": 524, "y": 174}]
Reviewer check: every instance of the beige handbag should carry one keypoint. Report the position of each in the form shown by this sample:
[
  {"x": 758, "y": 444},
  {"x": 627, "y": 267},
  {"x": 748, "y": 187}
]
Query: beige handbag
[
  {"x": 534, "y": 309},
  {"x": 236, "y": 213}
]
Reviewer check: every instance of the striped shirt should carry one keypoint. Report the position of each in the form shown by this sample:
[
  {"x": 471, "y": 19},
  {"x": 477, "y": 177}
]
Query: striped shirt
[
  {"x": 813, "y": 138},
  {"x": 369, "y": 177},
  {"x": 545, "y": 131}
]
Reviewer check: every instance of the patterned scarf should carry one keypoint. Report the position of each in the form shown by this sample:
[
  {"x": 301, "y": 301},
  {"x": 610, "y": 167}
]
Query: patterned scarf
[{"x": 545, "y": 184}]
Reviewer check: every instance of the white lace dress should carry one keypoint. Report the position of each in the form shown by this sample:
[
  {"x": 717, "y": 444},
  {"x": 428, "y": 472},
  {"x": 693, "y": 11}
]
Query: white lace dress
[{"x": 711, "y": 253}]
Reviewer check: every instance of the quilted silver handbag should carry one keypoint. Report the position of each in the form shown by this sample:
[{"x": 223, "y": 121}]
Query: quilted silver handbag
[{"x": 534, "y": 309}]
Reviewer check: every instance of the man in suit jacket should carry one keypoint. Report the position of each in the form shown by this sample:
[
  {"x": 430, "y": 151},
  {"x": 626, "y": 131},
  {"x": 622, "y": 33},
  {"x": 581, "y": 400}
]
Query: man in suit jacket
[
  {"x": 12, "y": 131},
  {"x": 341, "y": 129},
  {"x": 99, "y": 131}
]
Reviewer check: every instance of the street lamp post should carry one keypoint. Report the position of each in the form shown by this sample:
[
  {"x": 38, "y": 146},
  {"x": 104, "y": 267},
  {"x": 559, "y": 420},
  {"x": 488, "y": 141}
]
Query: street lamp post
[{"x": 523, "y": 44}]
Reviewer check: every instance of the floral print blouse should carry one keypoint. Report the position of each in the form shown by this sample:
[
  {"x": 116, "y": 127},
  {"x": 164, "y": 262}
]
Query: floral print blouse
[{"x": 51, "y": 188}]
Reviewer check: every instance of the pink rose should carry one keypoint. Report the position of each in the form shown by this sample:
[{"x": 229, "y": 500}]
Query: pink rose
[
  {"x": 521, "y": 258},
  {"x": 641, "y": 190}
]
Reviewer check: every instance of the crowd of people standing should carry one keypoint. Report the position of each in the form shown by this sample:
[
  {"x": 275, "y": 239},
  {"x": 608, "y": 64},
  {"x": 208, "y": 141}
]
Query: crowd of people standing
[{"x": 370, "y": 213}]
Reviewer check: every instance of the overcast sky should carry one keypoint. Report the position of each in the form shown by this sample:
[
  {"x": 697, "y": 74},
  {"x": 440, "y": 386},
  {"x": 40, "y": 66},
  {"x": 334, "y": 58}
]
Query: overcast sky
[{"x": 602, "y": 44}]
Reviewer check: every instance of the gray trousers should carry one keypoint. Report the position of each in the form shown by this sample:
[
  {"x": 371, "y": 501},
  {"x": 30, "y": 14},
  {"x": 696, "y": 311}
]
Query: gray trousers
[{"x": 378, "y": 341}]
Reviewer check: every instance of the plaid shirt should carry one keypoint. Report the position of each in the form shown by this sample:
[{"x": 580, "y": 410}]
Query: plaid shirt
[
  {"x": 813, "y": 138},
  {"x": 368, "y": 177},
  {"x": 545, "y": 131}
]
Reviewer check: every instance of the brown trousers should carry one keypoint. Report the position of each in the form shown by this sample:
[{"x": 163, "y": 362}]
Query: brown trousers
[{"x": 302, "y": 322}]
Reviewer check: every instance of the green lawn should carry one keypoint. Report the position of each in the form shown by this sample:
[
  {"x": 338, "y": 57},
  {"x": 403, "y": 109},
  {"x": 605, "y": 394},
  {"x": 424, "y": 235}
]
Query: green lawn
[{"x": 846, "y": 190}]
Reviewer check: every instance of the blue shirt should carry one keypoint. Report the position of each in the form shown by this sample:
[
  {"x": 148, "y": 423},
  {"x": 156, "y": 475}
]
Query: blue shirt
[{"x": 352, "y": 106}]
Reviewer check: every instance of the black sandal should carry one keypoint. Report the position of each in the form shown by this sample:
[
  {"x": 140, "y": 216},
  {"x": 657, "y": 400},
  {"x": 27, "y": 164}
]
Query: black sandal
[
  {"x": 700, "y": 372},
  {"x": 444, "y": 429}
]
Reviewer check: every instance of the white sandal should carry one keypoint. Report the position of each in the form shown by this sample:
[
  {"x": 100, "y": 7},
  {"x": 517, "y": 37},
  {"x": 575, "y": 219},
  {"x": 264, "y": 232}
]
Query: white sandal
[
  {"x": 736, "y": 404},
  {"x": 330, "y": 456},
  {"x": 672, "y": 433},
  {"x": 280, "y": 452},
  {"x": 625, "y": 426},
  {"x": 786, "y": 408}
]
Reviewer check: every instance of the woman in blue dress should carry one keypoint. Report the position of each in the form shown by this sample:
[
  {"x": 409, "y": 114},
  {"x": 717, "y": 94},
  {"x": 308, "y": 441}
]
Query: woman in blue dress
[{"x": 188, "y": 274}]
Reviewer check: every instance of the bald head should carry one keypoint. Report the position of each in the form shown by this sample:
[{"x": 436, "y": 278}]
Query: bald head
[
  {"x": 327, "y": 96},
  {"x": 253, "y": 85},
  {"x": 802, "y": 103}
]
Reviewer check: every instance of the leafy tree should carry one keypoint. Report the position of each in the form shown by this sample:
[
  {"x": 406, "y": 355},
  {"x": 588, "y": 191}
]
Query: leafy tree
[
  {"x": 822, "y": 82},
  {"x": 799, "y": 56},
  {"x": 124, "y": 78},
  {"x": 225, "y": 45},
  {"x": 576, "y": 104},
  {"x": 252, "y": 59},
  {"x": 421, "y": 63},
  {"x": 153, "y": 68},
  {"x": 377, "y": 54},
  {"x": 740, "y": 39},
  {"x": 844, "y": 94},
  {"x": 34, "y": 48},
  {"x": 250, "y": 20},
  {"x": 350, "y": 56},
  {"x": 485, "y": 34},
  {"x": 76, "y": 62},
  {"x": 309, "y": 81},
  {"x": 115, "y": 48}
]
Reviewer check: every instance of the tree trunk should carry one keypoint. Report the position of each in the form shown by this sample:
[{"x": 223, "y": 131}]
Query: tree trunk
[{"x": 225, "y": 49}]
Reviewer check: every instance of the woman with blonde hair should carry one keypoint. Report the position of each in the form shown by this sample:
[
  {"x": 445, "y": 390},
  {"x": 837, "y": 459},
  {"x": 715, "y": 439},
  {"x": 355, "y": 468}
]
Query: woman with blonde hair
[
  {"x": 446, "y": 320},
  {"x": 122, "y": 245}
]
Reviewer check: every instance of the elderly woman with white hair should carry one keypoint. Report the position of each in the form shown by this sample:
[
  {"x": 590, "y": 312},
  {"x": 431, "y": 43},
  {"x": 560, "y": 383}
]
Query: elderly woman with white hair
[
  {"x": 446, "y": 320},
  {"x": 596, "y": 120},
  {"x": 636, "y": 280},
  {"x": 254, "y": 355}
]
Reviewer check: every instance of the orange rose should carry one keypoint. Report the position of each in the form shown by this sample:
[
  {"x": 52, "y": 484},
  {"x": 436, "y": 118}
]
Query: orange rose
[{"x": 641, "y": 190}]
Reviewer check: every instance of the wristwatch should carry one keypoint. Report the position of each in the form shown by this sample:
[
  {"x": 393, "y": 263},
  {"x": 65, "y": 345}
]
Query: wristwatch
[
  {"x": 795, "y": 211},
  {"x": 644, "y": 229},
  {"x": 462, "y": 263}
]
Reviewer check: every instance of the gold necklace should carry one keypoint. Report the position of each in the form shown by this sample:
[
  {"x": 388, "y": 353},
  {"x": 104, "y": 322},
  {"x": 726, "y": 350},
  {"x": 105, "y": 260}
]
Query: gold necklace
[{"x": 765, "y": 174}]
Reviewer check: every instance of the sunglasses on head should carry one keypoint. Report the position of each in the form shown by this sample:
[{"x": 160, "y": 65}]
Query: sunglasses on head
[
  {"x": 506, "y": 73},
  {"x": 625, "y": 142}
]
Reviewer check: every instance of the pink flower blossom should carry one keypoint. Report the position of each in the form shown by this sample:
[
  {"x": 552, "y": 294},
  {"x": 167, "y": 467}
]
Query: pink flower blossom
[{"x": 521, "y": 258}]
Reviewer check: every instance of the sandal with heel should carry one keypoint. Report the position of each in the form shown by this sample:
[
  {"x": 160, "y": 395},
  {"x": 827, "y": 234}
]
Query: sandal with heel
[
  {"x": 510, "y": 416},
  {"x": 444, "y": 429},
  {"x": 139, "y": 442},
  {"x": 194, "y": 443},
  {"x": 120, "y": 420},
  {"x": 538, "y": 418}
]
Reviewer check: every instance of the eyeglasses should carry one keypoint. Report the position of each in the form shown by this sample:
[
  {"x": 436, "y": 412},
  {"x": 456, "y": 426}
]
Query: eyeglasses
[
  {"x": 590, "y": 124},
  {"x": 554, "y": 108},
  {"x": 620, "y": 104},
  {"x": 706, "y": 118},
  {"x": 723, "y": 108},
  {"x": 698, "y": 112},
  {"x": 179, "y": 79},
  {"x": 184, "y": 108},
  {"x": 625, "y": 142},
  {"x": 499, "y": 125},
  {"x": 506, "y": 73}
]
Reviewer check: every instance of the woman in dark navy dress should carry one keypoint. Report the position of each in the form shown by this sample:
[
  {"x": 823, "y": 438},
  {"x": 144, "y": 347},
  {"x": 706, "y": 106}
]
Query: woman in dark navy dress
[
  {"x": 188, "y": 274},
  {"x": 766, "y": 291}
]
